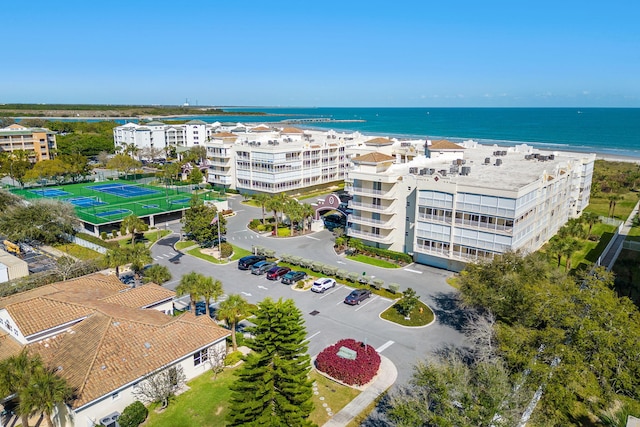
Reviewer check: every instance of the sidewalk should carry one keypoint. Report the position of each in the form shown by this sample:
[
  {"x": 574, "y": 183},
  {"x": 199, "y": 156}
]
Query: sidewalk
[
  {"x": 609, "y": 258},
  {"x": 386, "y": 377}
]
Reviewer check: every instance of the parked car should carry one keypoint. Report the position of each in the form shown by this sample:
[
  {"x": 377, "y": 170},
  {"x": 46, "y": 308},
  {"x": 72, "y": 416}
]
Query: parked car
[
  {"x": 245, "y": 263},
  {"x": 261, "y": 267},
  {"x": 277, "y": 272},
  {"x": 293, "y": 277},
  {"x": 356, "y": 296},
  {"x": 334, "y": 221},
  {"x": 323, "y": 284}
]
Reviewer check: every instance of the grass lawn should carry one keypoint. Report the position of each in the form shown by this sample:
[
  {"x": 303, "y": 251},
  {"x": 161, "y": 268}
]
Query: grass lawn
[
  {"x": 155, "y": 235},
  {"x": 372, "y": 261},
  {"x": 416, "y": 317},
  {"x": 206, "y": 403},
  {"x": 624, "y": 206},
  {"x": 237, "y": 254},
  {"x": 336, "y": 396},
  {"x": 185, "y": 244},
  {"x": 78, "y": 251}
]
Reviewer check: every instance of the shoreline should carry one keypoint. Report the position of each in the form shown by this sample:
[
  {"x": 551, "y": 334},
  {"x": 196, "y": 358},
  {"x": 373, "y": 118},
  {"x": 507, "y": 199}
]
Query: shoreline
[{"x": 599, "y": 155}]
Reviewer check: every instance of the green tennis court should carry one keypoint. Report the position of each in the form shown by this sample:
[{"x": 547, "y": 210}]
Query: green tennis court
[{"x": 122, "y": 198}]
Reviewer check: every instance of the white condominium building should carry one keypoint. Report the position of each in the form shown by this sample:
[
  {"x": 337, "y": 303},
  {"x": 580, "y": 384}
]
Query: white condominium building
[
  {"x": 160, "y": 135},
  {"x": 258, "y": 158},
  {"x": 448, "y": 204}
]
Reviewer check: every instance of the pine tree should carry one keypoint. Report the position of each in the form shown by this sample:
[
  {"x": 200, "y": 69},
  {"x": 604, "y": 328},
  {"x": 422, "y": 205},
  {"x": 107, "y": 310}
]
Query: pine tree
[{"x": 273, "y": 388}]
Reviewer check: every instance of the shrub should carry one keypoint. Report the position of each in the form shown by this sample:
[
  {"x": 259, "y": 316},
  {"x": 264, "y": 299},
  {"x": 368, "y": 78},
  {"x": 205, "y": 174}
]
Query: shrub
[
  {"x": 352, "y": 277},
  {"x": 233, "y": 358},
  {"x": 304, "y": 262},
  {"x": 394, "y": 287},
  {"x": 114, "y": 233},
  {"x": 285, "y": 258},
  {"x": 329, "y": 270},
  {"x": 269, "y": 253},
  {"x": 260, "y": 228},
  {"x": 103, "y": 235},
  {"x": 377, "y": 283},
  {"x": 225, "y": 250},
  {"x": 359, "y": 371},
  {"x": 296, "y": 260},
  {"x": 317, "y": 266},
  {"x": 133, "y": 415},
  {"x": 255, "y": 223},
  {"x": 342, "y": 274}
]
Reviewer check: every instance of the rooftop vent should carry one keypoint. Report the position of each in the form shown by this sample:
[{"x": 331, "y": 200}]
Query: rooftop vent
[
  {"x": 413, "y": 170},
  {"x": 487, "y": 160},
  {"x": 498, "y": 162},
  {"x": 465, "y": 170}
]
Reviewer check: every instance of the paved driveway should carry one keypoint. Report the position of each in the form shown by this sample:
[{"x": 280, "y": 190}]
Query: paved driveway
[{"x": 327, "y": 318}]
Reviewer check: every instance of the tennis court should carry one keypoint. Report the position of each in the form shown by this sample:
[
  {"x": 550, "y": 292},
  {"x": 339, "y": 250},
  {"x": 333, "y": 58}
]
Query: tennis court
[
  {"x": 50, "y": 192},
  {"x": 114, "y": 200},
  {"x": 84, "y": 201},
  {"x": 123, "y": 190}
]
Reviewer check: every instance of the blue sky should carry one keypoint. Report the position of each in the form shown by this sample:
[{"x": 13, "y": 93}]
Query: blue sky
[{"x": 326, "y": 53}]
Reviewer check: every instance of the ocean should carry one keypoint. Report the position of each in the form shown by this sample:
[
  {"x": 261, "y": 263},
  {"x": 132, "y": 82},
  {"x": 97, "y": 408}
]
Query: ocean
[{"x": 608, "y": 131}]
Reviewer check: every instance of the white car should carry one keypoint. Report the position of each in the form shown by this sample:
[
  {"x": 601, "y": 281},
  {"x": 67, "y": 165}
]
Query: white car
[{"x": 323, "y": 284}]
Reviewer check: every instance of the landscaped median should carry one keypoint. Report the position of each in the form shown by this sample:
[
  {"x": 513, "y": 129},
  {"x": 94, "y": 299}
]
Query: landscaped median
[{"x": 237, "y": 254}]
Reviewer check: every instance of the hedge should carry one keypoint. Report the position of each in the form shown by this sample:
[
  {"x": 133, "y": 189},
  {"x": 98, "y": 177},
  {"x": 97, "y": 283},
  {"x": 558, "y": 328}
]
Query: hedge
[
  {"x": 133, "y": 415},
  {"x": 359, "y": 371}
]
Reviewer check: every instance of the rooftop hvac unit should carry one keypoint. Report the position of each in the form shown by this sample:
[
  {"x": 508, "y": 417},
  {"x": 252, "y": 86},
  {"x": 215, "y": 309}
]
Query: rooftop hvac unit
[
  {"x": 466, "y": 170},
  {"x": 443, "y": 172},
  {"x": 542, "y": 158},
  {"x": 527, "y": 156},
  {"x": 454, "y": 169},
  {"x": 423, "y": 171},
  {"x": 552, "y": 156},
  {"x": 498, "y": 162},
  {"x": 535, "y": 156},
  {"x": 413, "y": 170},
  {"x": 504, "y": 153},
  {"x": 432, "y": 171},
  {"x": 459, "y": 162},
  {"x": 405, "y": 144},
  {"x": 487, "y": 160}
]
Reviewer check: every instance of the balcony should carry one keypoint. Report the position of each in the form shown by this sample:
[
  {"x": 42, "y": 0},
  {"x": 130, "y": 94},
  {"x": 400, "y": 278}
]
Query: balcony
[
  {"x": 388, "y": 209},
  {"x": 364, "y": 191},
  {"x": 484, "y": 226},
  {"x": 372, "y": 237},
  {"x": 357, "y": 219}
]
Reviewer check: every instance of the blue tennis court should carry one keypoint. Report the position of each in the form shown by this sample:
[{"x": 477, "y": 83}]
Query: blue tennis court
[
  {"x": 84, "y": 201},
  {"x": 113, "y": 212},
  {"x": 123, "y": 190},
  {"x": 50, "y": 192},
  {"x": 179, "y": 201}
]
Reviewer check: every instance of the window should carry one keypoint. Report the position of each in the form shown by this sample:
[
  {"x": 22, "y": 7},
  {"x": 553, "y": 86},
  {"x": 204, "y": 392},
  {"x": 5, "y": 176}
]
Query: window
[{"x": 200, "y": 357}]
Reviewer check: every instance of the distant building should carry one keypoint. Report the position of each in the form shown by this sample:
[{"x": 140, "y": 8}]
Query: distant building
[
  {"x": 40, "y": 143},
  {"x": 455, "y": 203},
  {"x": 256, "y": 158}
]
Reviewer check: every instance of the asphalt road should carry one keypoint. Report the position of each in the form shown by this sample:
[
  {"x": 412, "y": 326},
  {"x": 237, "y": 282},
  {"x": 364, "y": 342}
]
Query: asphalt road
[{"x": 331, "y": 319}]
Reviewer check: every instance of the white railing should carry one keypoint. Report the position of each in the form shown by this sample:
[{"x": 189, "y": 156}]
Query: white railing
[
  {"x": 369, "y": 221},
  {"x": 372, "y": 207},
  {"x": 369, "y": 236}
]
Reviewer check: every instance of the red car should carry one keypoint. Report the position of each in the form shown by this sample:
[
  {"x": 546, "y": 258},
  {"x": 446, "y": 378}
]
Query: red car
[{"x": 277, "y": 272}]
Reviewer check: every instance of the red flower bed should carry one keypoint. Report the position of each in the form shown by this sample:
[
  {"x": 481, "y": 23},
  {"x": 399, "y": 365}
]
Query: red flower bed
[{"x": 353, "y": 372}]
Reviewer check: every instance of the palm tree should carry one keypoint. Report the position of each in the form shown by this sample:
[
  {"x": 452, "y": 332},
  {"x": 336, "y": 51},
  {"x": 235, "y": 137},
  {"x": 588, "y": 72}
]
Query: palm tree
[
  {"x": 130, "y": 149},
  {"x": 234, "y": 309},
  {"x": 308, "y": 213},
  {"x": 575, "y": 228},
  {"x": 569, "y": 248},
  {"x": 132, "y": 224},
  {"x": 114, "y": 258},
  {"x": 190, "y": 285},
  {"x": 262, "y": 199},
  {"x": 211, "y": 289},
  {"x": 293, "y": 210},
  {"x": 44, "y": 392},
  {"x": 276, "y": 204},
  {"x": 157, "y": 274},
  {"x": 591, "y": 218},
  {"x": 555, "y": 247},
  {"x": 139, "y": 256},
  {"x": 613, "y": 200}
]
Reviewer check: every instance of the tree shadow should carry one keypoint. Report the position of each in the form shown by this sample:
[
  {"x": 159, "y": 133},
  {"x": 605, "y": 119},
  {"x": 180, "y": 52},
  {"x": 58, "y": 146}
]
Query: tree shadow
[{"x": 448, "y": 310}]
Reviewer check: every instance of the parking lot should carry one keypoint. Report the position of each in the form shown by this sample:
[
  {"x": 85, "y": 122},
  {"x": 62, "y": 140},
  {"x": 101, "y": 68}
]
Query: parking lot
[{"x": 327, "y": 318}]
